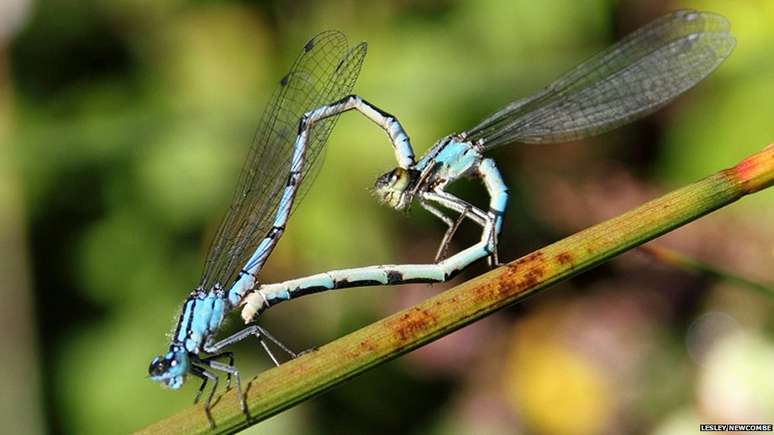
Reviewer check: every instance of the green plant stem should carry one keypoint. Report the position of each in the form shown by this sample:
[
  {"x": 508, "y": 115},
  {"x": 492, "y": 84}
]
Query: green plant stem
[
  {"x": 295, "y": 381},
  {"x": 679, "y": 260}
]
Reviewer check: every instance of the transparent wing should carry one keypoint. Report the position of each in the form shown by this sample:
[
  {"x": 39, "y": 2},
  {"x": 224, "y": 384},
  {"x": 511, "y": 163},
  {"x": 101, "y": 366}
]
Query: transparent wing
[
  {"x": 632, "y": 78},
  {"x": 325, "y": 71}
]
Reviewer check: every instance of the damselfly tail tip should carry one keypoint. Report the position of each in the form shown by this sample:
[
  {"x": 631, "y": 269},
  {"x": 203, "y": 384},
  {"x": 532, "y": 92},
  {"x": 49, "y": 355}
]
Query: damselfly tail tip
[{"x": 253, "y": 305}]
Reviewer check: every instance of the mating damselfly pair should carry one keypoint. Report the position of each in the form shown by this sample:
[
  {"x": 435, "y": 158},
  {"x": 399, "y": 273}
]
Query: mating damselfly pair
[{"x": 632, "y": 78}]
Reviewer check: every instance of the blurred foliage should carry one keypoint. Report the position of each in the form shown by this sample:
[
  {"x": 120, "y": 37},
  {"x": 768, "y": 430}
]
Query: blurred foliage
[{"x": 128, "y": 122}]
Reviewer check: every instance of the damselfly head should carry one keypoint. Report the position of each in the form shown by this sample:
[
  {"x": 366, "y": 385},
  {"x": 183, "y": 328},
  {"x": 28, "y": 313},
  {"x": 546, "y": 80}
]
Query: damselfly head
[
  {"x": 170, "y": 369},
  {"x": 393, "y": 189}
]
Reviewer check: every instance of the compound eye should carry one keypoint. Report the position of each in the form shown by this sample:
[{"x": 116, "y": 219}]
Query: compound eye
[
  {"x": 158, "y": 366},
  {"x": 399, "y": 176}
]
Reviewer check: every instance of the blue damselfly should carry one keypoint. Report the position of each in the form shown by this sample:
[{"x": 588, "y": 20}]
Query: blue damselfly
[
  {"x": 281, "y": 157},
  {"x": 632, "y": 78}
]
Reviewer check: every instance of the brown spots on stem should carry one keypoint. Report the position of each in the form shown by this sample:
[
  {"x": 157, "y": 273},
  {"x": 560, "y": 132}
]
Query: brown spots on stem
[
  {"x": 363, "y": 348},
  {"x": 530, "y": 265},
  {"x": 564, "y": 258},
  {"x": 528, "y": 280},
  {"x": 519, "y": 276},
  {"x": 412, "y": 323},
  {"x": 532, "y": 258},
  {"x": 366, "y": 346}
]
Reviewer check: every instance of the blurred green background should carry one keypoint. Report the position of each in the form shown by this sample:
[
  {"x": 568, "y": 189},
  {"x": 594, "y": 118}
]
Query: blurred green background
[{"x": 123, "y": 125}]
